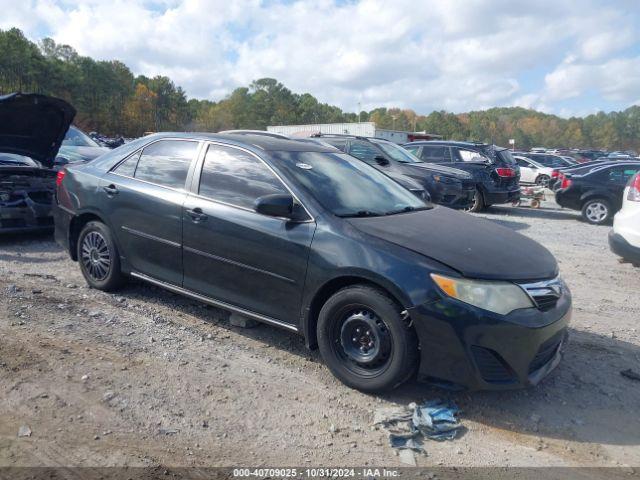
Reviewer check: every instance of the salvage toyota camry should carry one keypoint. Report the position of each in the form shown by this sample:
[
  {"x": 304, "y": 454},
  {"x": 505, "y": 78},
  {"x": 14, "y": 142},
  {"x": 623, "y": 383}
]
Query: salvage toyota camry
[{"x": 307, "y": 238}]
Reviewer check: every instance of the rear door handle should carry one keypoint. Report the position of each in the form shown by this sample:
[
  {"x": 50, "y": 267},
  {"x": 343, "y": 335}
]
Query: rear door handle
[
  {"x": 196, "y": 214},
  {"x": 110, "y": 189}
]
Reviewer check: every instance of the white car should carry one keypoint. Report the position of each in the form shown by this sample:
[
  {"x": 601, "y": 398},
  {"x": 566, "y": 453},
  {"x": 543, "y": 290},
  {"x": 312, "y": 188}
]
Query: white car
[
  {"x": 532, "y": 172},
  {"x": 624, "y": 239}
]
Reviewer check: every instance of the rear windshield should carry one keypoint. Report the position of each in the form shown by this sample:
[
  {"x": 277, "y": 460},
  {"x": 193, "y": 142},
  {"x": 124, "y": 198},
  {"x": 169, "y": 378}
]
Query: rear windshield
[{"x": 77, "y": 138}]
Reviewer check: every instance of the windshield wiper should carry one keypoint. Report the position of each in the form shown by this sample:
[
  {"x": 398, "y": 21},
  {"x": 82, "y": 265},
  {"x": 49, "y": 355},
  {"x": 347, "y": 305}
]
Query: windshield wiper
[
  {"x": 406, "y": 209},
  {"x": 361, "y": 213}
]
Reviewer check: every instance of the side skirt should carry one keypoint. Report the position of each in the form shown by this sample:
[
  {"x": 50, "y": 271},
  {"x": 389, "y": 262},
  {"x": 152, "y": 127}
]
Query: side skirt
[{"x": 216, "y": 303}]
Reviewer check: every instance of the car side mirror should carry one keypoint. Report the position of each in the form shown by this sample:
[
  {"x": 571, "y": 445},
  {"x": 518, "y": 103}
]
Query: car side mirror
[
  {"x": 275, "y": 205},
  {"x": 380, "y": 160}
]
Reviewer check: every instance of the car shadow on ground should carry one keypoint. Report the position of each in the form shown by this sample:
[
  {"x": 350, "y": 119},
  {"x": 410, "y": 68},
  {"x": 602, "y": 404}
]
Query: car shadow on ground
[
  {"x": 585, "y": 399},
  {"x": 10, "y": 243},
  {"x": 526, "y": 212}
]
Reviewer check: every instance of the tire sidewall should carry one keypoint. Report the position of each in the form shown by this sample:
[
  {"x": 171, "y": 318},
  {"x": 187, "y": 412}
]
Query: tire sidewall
[
  {"x": 114, "y": 278},
  {"x": 540, "y": 178},
  {"x": 404, "y": 346},
  {"x": 596, "y": 200}
]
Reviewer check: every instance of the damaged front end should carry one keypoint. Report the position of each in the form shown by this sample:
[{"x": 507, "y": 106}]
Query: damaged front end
[{"x": 26, "y": 195}]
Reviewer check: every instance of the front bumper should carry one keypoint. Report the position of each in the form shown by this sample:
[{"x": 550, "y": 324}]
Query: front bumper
[
  {"x": 622, "y": 248},
  {"x": 464, "y": 347},
  {"x": 25, "y": 215}
]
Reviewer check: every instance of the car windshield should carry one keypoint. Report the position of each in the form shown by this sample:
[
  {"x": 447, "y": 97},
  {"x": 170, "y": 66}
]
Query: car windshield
[
  {"x": 77, "y": 138},
  {"x": 396, "y": 152},
  {"x": 347, "y": 187},
  {"x": 17, "y": 160}
]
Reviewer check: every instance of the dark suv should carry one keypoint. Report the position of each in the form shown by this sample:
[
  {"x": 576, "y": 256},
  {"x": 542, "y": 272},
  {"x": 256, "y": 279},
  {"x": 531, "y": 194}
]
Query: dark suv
[
  {"x": 496, "y": 175},
  {"x": 446, "y": 186}
]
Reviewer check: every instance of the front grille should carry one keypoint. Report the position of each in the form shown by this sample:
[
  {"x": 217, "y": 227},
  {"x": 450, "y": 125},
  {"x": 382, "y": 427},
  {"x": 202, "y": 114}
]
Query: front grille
[
  {"x": 546, "y": 352},
  {"x": 546, "y": 302},
  {"x": 493, "y": 368},
  {"x": 544, "y": 294}
]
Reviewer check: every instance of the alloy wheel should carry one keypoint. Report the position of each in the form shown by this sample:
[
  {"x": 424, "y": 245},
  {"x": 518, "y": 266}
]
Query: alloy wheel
[
  {"x": 597, "y": 212},
  {"x": 95, "y": 256}
]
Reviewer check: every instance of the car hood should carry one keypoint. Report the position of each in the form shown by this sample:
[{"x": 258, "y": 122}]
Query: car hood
[
  {"x": 475, "y": 247},
  {"x": 433, "y": 168},
  {"x": 34, "y": 125}
]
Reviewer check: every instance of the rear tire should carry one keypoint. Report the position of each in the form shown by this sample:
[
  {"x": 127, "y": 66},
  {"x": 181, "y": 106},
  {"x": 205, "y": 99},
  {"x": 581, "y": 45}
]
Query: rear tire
[
  {"x": 364, "y": 340},
  {"x": 478, "y": 203},
  {"x": 99, "y": 258},
  {"x": 596, "y": 211},
  {"x": 543, "y": 180}
]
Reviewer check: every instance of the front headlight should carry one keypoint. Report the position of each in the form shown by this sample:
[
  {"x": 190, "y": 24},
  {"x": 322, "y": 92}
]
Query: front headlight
[{"x": 498, "y": 297}]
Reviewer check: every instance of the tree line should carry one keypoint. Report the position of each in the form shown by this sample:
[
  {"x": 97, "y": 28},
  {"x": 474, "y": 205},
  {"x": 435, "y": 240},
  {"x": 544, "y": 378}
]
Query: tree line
[{"x": 110, "y": 99}]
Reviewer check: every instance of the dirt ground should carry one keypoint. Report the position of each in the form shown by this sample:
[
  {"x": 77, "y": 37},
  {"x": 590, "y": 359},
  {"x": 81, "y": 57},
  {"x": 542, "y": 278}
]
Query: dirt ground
[{"x": 145, "y": 377}]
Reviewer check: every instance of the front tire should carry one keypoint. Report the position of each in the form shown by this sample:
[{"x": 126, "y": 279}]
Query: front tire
[
  {"x": 364, "y": 340},
  {"x": 99, "y": 257},
  {"x": 596, "y": 211}
]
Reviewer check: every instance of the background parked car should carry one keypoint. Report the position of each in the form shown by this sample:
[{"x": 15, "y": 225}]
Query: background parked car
[
  {"x": 531, "y": 172},
  {"x": 77, "y": 146},
  {"x": 496, "y": 176},
  {"x": 446, "y": 186},
  {"x": 32, "y": 128},
  {"x": 624, "y": 238},
  {"x": 597, "y": 191}
]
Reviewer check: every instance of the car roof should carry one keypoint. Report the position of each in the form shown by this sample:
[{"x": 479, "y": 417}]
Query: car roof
[
  {"x": 449, "y": 142},
  {"x": 248, "y": 140},
  {"x": 603, "y": 166}
]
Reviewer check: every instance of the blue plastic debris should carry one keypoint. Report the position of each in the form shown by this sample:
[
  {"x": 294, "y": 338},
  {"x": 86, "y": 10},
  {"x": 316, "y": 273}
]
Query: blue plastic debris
[
  {"x": 408, "y": 426},
  {"x": 436, "y": 420}
]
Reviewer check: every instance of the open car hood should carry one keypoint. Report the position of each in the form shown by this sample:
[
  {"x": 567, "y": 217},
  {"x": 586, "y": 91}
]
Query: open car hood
[
  {"x": 34, "y": 125},
  {"x": 475, "y": 247}
]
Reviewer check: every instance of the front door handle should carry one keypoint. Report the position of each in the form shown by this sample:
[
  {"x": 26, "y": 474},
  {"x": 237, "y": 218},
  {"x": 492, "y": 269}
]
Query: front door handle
[
  {"x": 110, "y": 189},
  {"x": 196, "y": 214}
]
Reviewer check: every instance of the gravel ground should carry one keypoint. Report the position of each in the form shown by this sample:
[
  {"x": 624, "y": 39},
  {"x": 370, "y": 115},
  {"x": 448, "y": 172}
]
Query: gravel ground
[{"x": 144, "y": 377}]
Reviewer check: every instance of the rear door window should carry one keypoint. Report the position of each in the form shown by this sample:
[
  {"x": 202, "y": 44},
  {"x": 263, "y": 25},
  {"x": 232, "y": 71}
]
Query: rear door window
[
  {"x": 236, "y": 177},
  {"x": 621, "y": 175},
  {"x": 166, "y": 163},
  {"x": 433, "y": 154},
  {"x": 471, "y": 156},
  {"x": 128, "y": 167}
]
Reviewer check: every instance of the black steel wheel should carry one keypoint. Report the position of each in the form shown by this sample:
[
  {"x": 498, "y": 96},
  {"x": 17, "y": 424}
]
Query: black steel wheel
[{"x": 364, "y": 339}]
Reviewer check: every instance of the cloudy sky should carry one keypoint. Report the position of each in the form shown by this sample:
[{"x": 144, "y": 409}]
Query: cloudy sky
[{"x": 569, "y": 57}]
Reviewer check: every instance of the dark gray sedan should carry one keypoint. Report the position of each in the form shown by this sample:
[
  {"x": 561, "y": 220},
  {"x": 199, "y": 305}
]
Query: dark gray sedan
[{"x": 307, "y": 238}]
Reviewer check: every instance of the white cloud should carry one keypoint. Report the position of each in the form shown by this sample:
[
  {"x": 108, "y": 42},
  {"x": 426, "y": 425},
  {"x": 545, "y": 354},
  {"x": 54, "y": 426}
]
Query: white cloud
[{"x": 457, "y": 55}]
